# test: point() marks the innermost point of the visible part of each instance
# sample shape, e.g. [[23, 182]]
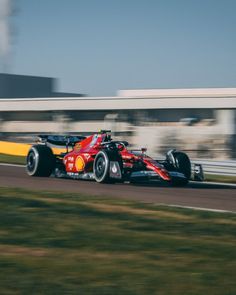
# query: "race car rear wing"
[[60, 140]]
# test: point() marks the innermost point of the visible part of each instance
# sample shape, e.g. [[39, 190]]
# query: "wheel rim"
[[100, 167], [31, 162]]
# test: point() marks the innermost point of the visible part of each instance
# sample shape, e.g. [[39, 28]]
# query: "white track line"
[[173, 206], [216, 183], [200, 209], [12, 165]]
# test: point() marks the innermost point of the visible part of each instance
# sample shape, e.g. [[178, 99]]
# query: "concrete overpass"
[[155, 117], [214, 98]]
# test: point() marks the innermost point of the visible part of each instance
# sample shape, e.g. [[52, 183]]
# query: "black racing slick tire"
[[40, 161], [183, 164], [101, 166], [178, 161]]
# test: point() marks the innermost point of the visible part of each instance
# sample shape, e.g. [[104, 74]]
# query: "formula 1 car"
[[98, 157]]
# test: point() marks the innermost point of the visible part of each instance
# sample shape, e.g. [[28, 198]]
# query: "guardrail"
[[218, 167]]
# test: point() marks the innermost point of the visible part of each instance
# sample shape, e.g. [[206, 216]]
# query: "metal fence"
[[218, 167]]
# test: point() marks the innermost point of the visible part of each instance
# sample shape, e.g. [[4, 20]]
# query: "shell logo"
[[79, 163]]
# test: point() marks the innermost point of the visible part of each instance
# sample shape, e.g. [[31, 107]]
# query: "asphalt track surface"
[[197, 195]]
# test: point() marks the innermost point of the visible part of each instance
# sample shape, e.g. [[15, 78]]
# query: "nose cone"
[[164, 174]]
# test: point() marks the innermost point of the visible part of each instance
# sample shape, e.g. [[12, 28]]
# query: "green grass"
[[220, 178], [12, 159], [74, 244]]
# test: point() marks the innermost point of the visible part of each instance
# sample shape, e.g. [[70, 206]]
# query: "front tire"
[[40, 161], [183, 164], [101, 166], [180, 162]]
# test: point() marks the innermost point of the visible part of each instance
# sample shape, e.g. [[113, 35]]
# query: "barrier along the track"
[[227, 168], [21, 149]]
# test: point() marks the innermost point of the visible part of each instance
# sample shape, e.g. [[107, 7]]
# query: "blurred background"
[[160, 74]]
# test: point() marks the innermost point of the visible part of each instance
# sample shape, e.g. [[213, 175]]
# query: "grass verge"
[[220, 178], [12, 159], [73, 244]]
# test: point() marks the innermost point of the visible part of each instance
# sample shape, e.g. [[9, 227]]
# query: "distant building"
[[21, 86]]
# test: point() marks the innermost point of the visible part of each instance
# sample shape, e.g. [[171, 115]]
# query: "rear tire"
[[40, 161]]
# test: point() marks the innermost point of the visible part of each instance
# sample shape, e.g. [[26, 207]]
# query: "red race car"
[[98, 157]]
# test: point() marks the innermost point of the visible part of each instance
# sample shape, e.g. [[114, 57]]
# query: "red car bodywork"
[[81, 158], [98, 157]]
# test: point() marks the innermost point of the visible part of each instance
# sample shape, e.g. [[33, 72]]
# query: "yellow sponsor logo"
[[79, 163]]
